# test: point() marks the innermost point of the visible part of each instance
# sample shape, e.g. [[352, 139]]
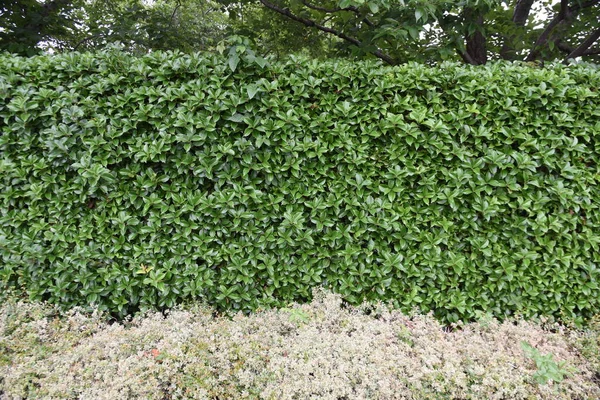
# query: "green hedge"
[[136, 183]]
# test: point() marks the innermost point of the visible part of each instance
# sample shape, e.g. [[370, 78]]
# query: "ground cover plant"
[[316, 350], [136, 183]]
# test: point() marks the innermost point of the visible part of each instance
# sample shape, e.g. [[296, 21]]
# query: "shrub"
[[139, 182], [337, 352]]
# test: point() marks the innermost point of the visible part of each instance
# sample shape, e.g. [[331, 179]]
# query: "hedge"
[[141, 182]]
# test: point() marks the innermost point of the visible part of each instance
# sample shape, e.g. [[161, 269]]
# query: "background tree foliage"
[[275, 34], [187, 25], [475, 31], [396, 31], [26, 23]]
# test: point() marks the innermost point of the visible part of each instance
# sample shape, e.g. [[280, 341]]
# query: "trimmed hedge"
[[137, 183]]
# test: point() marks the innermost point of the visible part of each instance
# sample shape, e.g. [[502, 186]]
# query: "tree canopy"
[[63, 25], [26, 23], [475, 31], [395, 31]]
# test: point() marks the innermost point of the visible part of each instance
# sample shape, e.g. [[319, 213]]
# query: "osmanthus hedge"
[[139, 182]]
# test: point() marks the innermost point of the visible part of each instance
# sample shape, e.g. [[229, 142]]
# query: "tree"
[[186, 25], [24, 24], [475, 31], [275, 34], [396, 31], [63, 25]]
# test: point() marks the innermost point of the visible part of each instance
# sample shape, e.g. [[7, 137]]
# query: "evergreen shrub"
[[139, 182]]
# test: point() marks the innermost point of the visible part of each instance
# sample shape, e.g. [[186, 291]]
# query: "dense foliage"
[[395, 31], [25, 23], [320, 350], [29, 26], [474, 31], [140, 182]]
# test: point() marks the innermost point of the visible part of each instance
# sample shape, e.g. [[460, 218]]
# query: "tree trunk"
[[475, 41], [520, 16]]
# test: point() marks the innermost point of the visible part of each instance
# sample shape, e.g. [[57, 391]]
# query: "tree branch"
[[323, 9], [520, 16], [564, 8], [565, 48], [463, 54], [584, 46], [174, 11], [565, 15], [543, 38], [87, 39], [310, 23], [334, 10]]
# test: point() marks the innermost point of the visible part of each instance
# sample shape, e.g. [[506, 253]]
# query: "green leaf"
[[374, 7], [237, 117], [261, 62], [234, 59], [413, 31], [419, 13], [252, 90]]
